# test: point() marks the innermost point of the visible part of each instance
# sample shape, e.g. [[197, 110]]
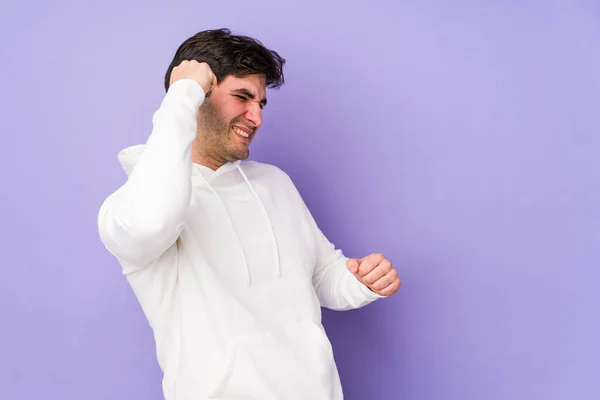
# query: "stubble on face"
[[213, 138]]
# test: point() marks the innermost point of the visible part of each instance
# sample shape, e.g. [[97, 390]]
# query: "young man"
[[226, 260]]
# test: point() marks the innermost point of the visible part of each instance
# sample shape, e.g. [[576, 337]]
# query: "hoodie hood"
[[129, 157]]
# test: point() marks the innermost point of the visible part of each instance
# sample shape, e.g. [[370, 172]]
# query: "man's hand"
[[200, 72], [375, 272]]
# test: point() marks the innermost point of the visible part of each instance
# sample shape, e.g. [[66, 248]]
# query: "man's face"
[[229, 118]]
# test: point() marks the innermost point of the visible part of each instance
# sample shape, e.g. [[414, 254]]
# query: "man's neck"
[[201, 157]]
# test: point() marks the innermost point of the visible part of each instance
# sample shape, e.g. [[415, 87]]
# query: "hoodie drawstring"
[[262, 206], [232, 227], [277, 259]]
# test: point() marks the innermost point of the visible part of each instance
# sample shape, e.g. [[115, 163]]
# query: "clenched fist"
[[200, 72], [375, 272]]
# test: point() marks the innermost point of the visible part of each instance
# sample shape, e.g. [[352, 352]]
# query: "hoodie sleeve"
[[337, 288], [144, 217]]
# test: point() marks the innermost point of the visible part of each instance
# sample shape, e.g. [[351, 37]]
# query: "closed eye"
[[244, 99]]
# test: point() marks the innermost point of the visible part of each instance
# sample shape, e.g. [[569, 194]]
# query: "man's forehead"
[[252, 83]]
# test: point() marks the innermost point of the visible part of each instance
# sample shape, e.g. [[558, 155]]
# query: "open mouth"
[[243, 132]]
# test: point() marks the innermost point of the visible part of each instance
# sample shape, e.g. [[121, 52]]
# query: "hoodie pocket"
[[295, 362]]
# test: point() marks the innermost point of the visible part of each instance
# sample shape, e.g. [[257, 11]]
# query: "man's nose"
[[254, 114]]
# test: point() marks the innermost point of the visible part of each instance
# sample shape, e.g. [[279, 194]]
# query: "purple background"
[[461, 139]]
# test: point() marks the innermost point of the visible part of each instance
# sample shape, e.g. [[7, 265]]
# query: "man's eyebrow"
[[249, 95]]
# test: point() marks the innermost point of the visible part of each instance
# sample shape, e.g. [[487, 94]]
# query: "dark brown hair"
[[229, 54]]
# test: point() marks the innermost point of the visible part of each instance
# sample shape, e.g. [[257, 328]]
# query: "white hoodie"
[[229, 267]]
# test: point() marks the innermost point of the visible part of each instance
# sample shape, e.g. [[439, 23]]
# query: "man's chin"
[[244, 156], [239, 155]]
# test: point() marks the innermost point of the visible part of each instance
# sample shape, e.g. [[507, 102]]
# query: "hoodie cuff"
[[368, 292], [187, 89]]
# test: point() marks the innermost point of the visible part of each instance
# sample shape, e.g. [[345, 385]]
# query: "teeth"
[[240, 132]]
